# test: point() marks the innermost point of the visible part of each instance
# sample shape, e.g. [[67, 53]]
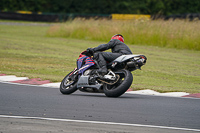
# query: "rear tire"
[[121, 86], [68, 86]]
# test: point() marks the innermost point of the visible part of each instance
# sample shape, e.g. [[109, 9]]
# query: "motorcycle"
[[114, 84]]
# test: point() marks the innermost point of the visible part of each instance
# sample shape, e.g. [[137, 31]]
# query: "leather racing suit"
[[117, 47]]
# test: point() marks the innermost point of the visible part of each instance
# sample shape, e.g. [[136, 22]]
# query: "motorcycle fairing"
[[84, 62], [123, 58], [83, 82]]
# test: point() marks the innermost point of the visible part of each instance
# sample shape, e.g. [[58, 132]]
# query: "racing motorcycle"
[[115, 83]]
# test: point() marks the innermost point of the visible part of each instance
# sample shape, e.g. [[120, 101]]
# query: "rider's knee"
[[96, 54]]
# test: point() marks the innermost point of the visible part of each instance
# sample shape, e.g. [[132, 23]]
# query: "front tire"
[[67, 85], [121, 86]]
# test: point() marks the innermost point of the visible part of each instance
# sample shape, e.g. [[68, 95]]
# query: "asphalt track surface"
[[43, 109]]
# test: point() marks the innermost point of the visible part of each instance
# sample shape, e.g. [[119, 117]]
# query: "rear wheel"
[[69, 83], [121, 86]]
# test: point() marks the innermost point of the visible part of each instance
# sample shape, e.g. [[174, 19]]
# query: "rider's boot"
[[103, 70]]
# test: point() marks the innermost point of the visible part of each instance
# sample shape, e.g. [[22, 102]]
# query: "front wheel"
[[69, 83], [121, 86]]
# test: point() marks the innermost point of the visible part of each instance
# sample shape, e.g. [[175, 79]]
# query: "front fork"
[[73, 75]]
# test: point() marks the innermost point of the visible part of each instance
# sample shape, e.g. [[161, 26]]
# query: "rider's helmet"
[[118, 37]]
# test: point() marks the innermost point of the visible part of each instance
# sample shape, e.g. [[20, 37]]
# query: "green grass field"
[[30, 51], [170, 34]]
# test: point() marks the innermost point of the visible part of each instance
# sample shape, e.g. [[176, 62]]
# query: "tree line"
[[152, 7]]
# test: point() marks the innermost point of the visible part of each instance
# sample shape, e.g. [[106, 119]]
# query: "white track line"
[[5, 82], [12, 78], [99, 122]]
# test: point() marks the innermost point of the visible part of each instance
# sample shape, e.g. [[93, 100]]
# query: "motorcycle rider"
[[118, 48]]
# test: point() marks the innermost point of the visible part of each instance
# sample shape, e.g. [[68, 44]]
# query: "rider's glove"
[[90, 51]]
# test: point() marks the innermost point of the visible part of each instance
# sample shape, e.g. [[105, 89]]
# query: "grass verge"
[[27, 51]]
